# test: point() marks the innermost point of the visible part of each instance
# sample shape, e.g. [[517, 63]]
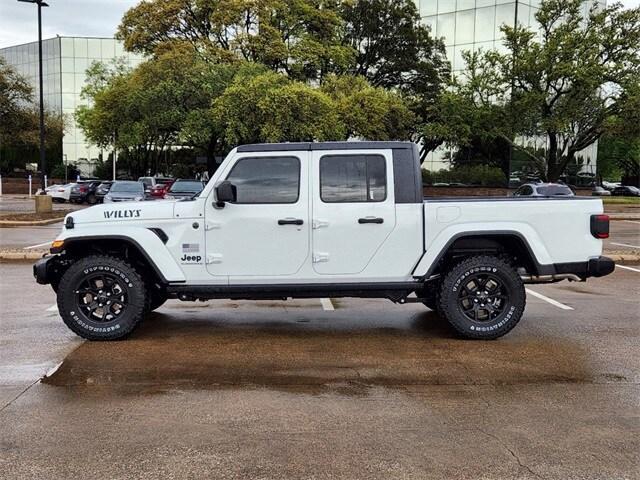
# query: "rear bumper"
[[594, 267], [601, 266]]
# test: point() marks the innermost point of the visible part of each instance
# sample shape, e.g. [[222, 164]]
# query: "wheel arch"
[[148, 260], [471, 243]]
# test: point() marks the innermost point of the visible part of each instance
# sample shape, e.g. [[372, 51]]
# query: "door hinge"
[[320, 257], [212, 226], [320, 224], [214, 258]]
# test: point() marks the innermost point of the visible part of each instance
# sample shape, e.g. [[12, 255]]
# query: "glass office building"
[[470, 25], [64, 65]]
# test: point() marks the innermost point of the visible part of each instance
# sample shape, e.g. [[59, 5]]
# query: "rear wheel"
[[101, 298], [482, 297], [91, 199]]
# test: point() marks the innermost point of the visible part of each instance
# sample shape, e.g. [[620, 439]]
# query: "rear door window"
[[353, 178]]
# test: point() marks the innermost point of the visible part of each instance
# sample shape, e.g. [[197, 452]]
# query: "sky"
[[91, 18]]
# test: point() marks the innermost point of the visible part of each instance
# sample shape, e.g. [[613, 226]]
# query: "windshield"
[[127, 187], [186, 187]]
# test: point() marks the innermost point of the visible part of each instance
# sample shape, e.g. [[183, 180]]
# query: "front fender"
[[146, 241]]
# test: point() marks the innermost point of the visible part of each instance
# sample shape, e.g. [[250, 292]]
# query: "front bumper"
[[42, 270]]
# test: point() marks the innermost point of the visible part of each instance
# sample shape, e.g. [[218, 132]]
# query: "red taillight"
[[600, 226]]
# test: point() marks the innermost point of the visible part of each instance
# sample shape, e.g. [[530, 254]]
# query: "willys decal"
[[122, 214]]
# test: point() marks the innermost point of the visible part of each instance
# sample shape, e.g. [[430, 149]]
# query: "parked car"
[[161, 188], [317, 220], [626, 191], [600, 192], [102, 190], [84, 191], [155, 186], [184, 188], [60, 193], [610, 185], [544, 190], [125, 191]]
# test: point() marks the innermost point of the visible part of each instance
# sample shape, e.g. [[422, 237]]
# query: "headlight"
[[107, 198], [139, 199], [169, 197]]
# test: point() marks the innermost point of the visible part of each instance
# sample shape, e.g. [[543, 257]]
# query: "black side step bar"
[[393, 291]]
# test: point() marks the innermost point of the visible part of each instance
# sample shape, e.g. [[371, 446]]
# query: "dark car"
[[125, 191], [183, 188], [626, 191], [102, 190], [85, 191], [544, 190]]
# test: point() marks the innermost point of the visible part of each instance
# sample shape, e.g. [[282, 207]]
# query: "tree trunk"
[[552, 174], [212, 166]]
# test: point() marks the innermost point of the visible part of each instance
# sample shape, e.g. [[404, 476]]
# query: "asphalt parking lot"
[[324, 389]]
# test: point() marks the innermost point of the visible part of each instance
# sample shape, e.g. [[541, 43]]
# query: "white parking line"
[[625, 245], [327, 304], [553, 302], [624, 267], [36, 246], [632, 221], [52, 308]]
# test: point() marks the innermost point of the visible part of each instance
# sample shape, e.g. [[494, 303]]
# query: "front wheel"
[[101, 298], [482, 297]]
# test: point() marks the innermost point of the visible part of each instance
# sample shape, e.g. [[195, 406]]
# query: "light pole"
[[43, 160]]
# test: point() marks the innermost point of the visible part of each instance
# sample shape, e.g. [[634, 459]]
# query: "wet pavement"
[[290, 390]]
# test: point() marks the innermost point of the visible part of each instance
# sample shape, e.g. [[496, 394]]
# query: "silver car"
[[125, 191]]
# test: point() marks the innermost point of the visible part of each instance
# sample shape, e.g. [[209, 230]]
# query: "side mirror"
[[226, 192]]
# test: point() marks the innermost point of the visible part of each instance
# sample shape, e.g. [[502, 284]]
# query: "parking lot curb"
[[13, 256], [624, 218], [35, 223]]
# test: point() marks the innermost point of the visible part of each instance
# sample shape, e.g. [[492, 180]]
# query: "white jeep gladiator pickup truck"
[[313, 220]]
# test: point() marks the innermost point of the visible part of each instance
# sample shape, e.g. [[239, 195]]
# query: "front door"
[[353, 209], [266, 232]]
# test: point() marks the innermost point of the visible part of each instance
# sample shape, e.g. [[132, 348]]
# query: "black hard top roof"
[[302, 146]]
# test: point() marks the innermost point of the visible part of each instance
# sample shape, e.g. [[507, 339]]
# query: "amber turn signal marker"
[[57, 243]]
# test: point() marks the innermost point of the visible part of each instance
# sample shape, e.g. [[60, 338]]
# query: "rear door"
[[353, 208]]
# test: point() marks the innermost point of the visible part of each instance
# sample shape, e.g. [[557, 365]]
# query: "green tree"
[[369, 112], [271, 108], [562, 86], [394, 48], [296, 37]]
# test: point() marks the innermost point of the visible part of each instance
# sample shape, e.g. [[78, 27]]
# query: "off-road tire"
[[83, 272], [456, 295]]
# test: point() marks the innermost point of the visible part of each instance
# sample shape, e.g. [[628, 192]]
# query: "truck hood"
[[125, 212]]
